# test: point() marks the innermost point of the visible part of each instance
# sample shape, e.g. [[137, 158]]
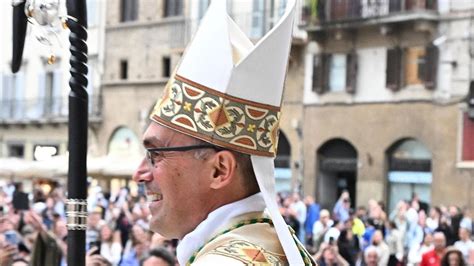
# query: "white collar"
[[216, 220]]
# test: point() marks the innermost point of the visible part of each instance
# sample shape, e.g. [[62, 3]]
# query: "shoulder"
[[249, 244], [240, 252]]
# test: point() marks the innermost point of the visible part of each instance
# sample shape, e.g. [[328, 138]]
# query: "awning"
[[57, 166]]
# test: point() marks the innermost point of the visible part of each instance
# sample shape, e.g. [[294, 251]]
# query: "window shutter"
[[57, 92], [394, 68], [432, 55], [351, 72], [41, 100], [320, 73], [18, 81]]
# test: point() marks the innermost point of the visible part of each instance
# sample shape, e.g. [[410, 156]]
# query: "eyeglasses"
[[154, 155]]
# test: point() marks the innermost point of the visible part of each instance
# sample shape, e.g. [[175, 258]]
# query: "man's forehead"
[[160, 136]]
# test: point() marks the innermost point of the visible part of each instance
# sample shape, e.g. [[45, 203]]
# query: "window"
[[337, 72], [173, 8], [12, 104], [128, 10], [16, 150], [50, 94], [334, 72], [123, 69], [203, 4], [166, 66], [93, 12], [411, 66], [257, 19], [467, 138]]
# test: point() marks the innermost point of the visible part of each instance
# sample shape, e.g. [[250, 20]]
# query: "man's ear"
[[225, 165]]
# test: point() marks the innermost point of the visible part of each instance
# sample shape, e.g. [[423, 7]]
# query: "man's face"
[[371, 259], [439, 241], [324, 218], [464, 234], [177, 184]]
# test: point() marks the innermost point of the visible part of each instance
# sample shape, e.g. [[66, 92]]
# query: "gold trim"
[[207, 138], [226, 96]]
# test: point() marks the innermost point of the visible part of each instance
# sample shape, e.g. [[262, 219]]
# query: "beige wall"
[[372, 129]]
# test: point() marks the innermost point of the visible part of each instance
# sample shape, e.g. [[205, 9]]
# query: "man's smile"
[[152, 197]]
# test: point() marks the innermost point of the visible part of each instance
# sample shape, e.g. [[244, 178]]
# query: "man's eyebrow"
[[152, 141]]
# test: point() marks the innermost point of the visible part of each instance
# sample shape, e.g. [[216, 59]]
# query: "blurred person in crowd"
[[20, 198], [341, 209], [328, 255], [422, 220], [369, 232], [415, 232], [112, 214], [299, 208], [371, 256], [422, 205], [382, 247], [376, 214], [59, 199], [394, 241], [93, 258], [94, 223], [124, 223], [8, 251], [110, 245], [158, 257], [159, 241], [466, 221], [465, 244], [137, 247], [312, 215], [416, 252], [452, 257], [321, 227], [447, 230], [398, 215], [348, 245], [50, 247], [357, 225], [432, 222], [290, 215], [455, 221], [48, 213], [433, 257], [334, 231], [362, 214]]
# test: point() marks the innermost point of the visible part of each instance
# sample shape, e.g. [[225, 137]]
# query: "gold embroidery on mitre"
[[218, 118]]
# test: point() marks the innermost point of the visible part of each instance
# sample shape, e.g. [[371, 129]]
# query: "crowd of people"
[[33, 231], [412, 234]]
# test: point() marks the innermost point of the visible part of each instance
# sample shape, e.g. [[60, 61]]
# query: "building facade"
[[384, 109], [34, 101]]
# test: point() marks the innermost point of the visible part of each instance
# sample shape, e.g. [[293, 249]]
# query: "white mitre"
[[228, 92]]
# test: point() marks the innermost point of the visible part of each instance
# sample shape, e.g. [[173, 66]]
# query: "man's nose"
[[143, 172]]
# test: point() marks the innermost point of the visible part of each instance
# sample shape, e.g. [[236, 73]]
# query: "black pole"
[[19, 32], [78, 120]]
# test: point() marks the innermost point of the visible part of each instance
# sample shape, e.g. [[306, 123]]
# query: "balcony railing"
[[42, 109], [348, 10]]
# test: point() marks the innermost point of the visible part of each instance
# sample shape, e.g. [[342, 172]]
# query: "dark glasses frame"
[[179, 149]]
